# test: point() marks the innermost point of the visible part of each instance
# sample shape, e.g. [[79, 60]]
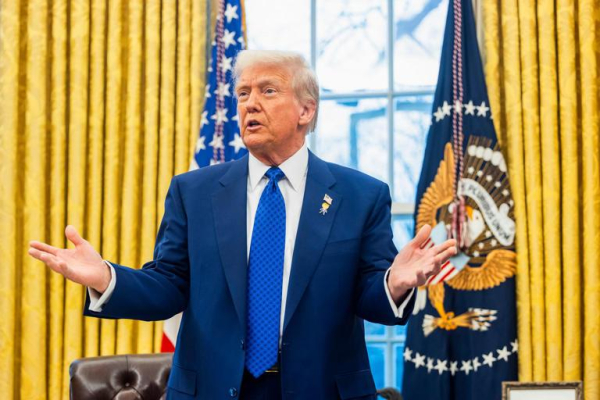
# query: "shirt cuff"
[[97, 300], [398, 310]]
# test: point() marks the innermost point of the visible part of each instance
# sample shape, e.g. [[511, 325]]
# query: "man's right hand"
[[83, 264]]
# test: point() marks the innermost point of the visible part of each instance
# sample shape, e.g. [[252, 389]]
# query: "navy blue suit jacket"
[[336, 281]]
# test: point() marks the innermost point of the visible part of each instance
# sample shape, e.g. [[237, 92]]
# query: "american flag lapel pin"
[[326, 204]]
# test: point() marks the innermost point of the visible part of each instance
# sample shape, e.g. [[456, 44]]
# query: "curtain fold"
[[58, 185], [542, 73], [33, 289], [550, 153], [589, 39], [149, 335], [100, 108]]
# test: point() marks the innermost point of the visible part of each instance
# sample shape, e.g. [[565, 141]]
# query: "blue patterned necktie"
[[265, 274]]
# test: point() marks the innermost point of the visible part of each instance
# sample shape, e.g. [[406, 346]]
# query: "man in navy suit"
[[275, 259]]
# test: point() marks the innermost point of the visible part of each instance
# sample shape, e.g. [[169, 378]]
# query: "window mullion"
[[390, 95], [313, 57], [389, 348]]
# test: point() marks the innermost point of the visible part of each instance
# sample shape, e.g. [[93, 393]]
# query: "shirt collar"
[[294, 168]]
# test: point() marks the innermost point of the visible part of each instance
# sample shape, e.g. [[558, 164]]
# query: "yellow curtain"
[[99, 106], [542, 67]]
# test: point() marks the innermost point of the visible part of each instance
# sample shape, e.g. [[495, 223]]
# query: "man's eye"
[[270, 91]]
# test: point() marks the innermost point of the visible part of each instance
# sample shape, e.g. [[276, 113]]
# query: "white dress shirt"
[[292, 188]]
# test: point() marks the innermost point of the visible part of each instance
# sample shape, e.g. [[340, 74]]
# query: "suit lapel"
[[229, 205], [313, 231]]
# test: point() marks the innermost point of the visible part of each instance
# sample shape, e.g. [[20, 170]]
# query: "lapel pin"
[[326, 204]]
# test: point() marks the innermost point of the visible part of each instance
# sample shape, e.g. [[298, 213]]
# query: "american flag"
[[219, 140]]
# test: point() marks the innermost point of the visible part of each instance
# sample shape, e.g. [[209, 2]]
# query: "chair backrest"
[[141, 376]]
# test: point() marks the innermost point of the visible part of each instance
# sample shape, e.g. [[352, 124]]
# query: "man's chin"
[[254, 142]]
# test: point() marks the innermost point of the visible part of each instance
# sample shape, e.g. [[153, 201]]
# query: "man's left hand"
[[414, 265]]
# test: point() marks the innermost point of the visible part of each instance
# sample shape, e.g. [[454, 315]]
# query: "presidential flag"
[[462, 339], [219, 140]]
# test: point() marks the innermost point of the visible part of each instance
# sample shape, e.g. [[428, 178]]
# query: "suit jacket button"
[[233, 392], [242, 344]]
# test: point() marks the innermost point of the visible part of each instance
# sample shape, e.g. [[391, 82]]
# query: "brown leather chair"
[[127, 377]]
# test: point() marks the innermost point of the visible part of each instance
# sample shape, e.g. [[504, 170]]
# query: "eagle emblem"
[[489, 257]]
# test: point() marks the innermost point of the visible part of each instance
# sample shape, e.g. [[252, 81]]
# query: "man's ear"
[[307, 112]]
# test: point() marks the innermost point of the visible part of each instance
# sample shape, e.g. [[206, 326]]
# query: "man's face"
[[272, 120]]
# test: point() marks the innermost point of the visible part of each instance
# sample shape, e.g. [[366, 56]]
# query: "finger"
[[440, 248], [422, 236], [445, 255], [35, 253], [44, 247], [73, 236], [432, 268], [51, 261]]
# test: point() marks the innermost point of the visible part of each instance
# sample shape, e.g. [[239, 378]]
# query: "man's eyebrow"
[[268, 81], [261, 82]]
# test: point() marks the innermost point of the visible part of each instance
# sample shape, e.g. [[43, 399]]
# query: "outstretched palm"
[[414, 265], [82, 265]]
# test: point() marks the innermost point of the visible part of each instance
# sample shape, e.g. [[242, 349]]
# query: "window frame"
[[399, 209]]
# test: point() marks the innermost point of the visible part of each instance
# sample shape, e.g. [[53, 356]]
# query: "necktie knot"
[[274, 174]]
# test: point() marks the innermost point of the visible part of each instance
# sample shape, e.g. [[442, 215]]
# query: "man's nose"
[[252, 103]]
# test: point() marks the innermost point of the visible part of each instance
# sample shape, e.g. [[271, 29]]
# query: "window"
[[377, 63]]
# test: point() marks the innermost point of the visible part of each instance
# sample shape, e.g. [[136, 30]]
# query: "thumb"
[[73, 236], [422, 236]]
